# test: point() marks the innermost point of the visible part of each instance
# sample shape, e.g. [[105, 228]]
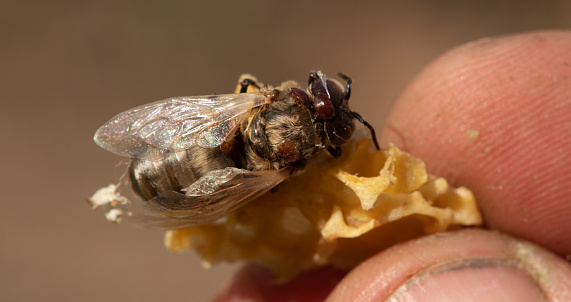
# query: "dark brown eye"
[[321, 100], [340, 128], [336, 93]]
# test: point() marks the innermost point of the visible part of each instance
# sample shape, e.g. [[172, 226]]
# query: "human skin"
[[493, 115]]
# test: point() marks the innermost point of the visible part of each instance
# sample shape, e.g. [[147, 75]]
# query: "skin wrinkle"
[[450, 82], [554, 283], [381, 276], [401, 293]]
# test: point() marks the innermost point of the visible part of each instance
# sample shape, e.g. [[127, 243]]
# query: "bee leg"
[[355, 114], [246, 83], [374, 136], [312, 77], [335, 151], [274, 189]]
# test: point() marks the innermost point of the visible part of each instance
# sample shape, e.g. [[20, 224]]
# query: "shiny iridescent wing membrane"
[[151, 131], [213, 196]]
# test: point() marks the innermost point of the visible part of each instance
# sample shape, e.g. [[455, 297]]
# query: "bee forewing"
[[173, 210], [176, 123]]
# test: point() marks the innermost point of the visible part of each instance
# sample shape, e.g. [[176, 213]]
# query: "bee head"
[[330, 104]]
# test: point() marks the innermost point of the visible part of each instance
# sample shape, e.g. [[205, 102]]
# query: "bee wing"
[[212, 197], [176, 123]]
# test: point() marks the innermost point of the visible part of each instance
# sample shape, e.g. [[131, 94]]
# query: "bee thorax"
[[282, 133]]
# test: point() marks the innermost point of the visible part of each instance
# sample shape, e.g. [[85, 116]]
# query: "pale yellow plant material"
[[337, 212]]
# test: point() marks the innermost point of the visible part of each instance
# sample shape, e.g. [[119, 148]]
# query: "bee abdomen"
[[176, 171]]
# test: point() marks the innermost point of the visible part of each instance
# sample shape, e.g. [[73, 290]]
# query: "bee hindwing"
[[212, 199]]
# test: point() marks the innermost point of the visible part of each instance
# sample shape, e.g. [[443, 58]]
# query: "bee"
[[196, 159]]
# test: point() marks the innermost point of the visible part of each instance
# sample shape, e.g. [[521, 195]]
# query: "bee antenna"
[[360, 119]]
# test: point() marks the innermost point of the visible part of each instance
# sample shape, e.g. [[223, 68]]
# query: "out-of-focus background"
[[66, 67]]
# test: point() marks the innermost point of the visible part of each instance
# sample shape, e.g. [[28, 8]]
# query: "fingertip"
[[492, 115], [472, 265]]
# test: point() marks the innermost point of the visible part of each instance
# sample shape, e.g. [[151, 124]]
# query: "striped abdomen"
[[176, 171]]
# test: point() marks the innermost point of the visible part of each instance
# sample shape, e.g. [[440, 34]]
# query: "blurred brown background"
[[68, 66]]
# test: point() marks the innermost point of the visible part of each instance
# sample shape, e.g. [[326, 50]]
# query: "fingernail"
[[483, 279]]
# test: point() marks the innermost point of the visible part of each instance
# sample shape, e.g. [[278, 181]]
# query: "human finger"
[[466, 265], [493, 115]]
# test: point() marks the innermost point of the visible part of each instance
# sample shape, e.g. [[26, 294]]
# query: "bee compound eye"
[[323, 107], [340, 128], [336, 93], [321, 100]]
